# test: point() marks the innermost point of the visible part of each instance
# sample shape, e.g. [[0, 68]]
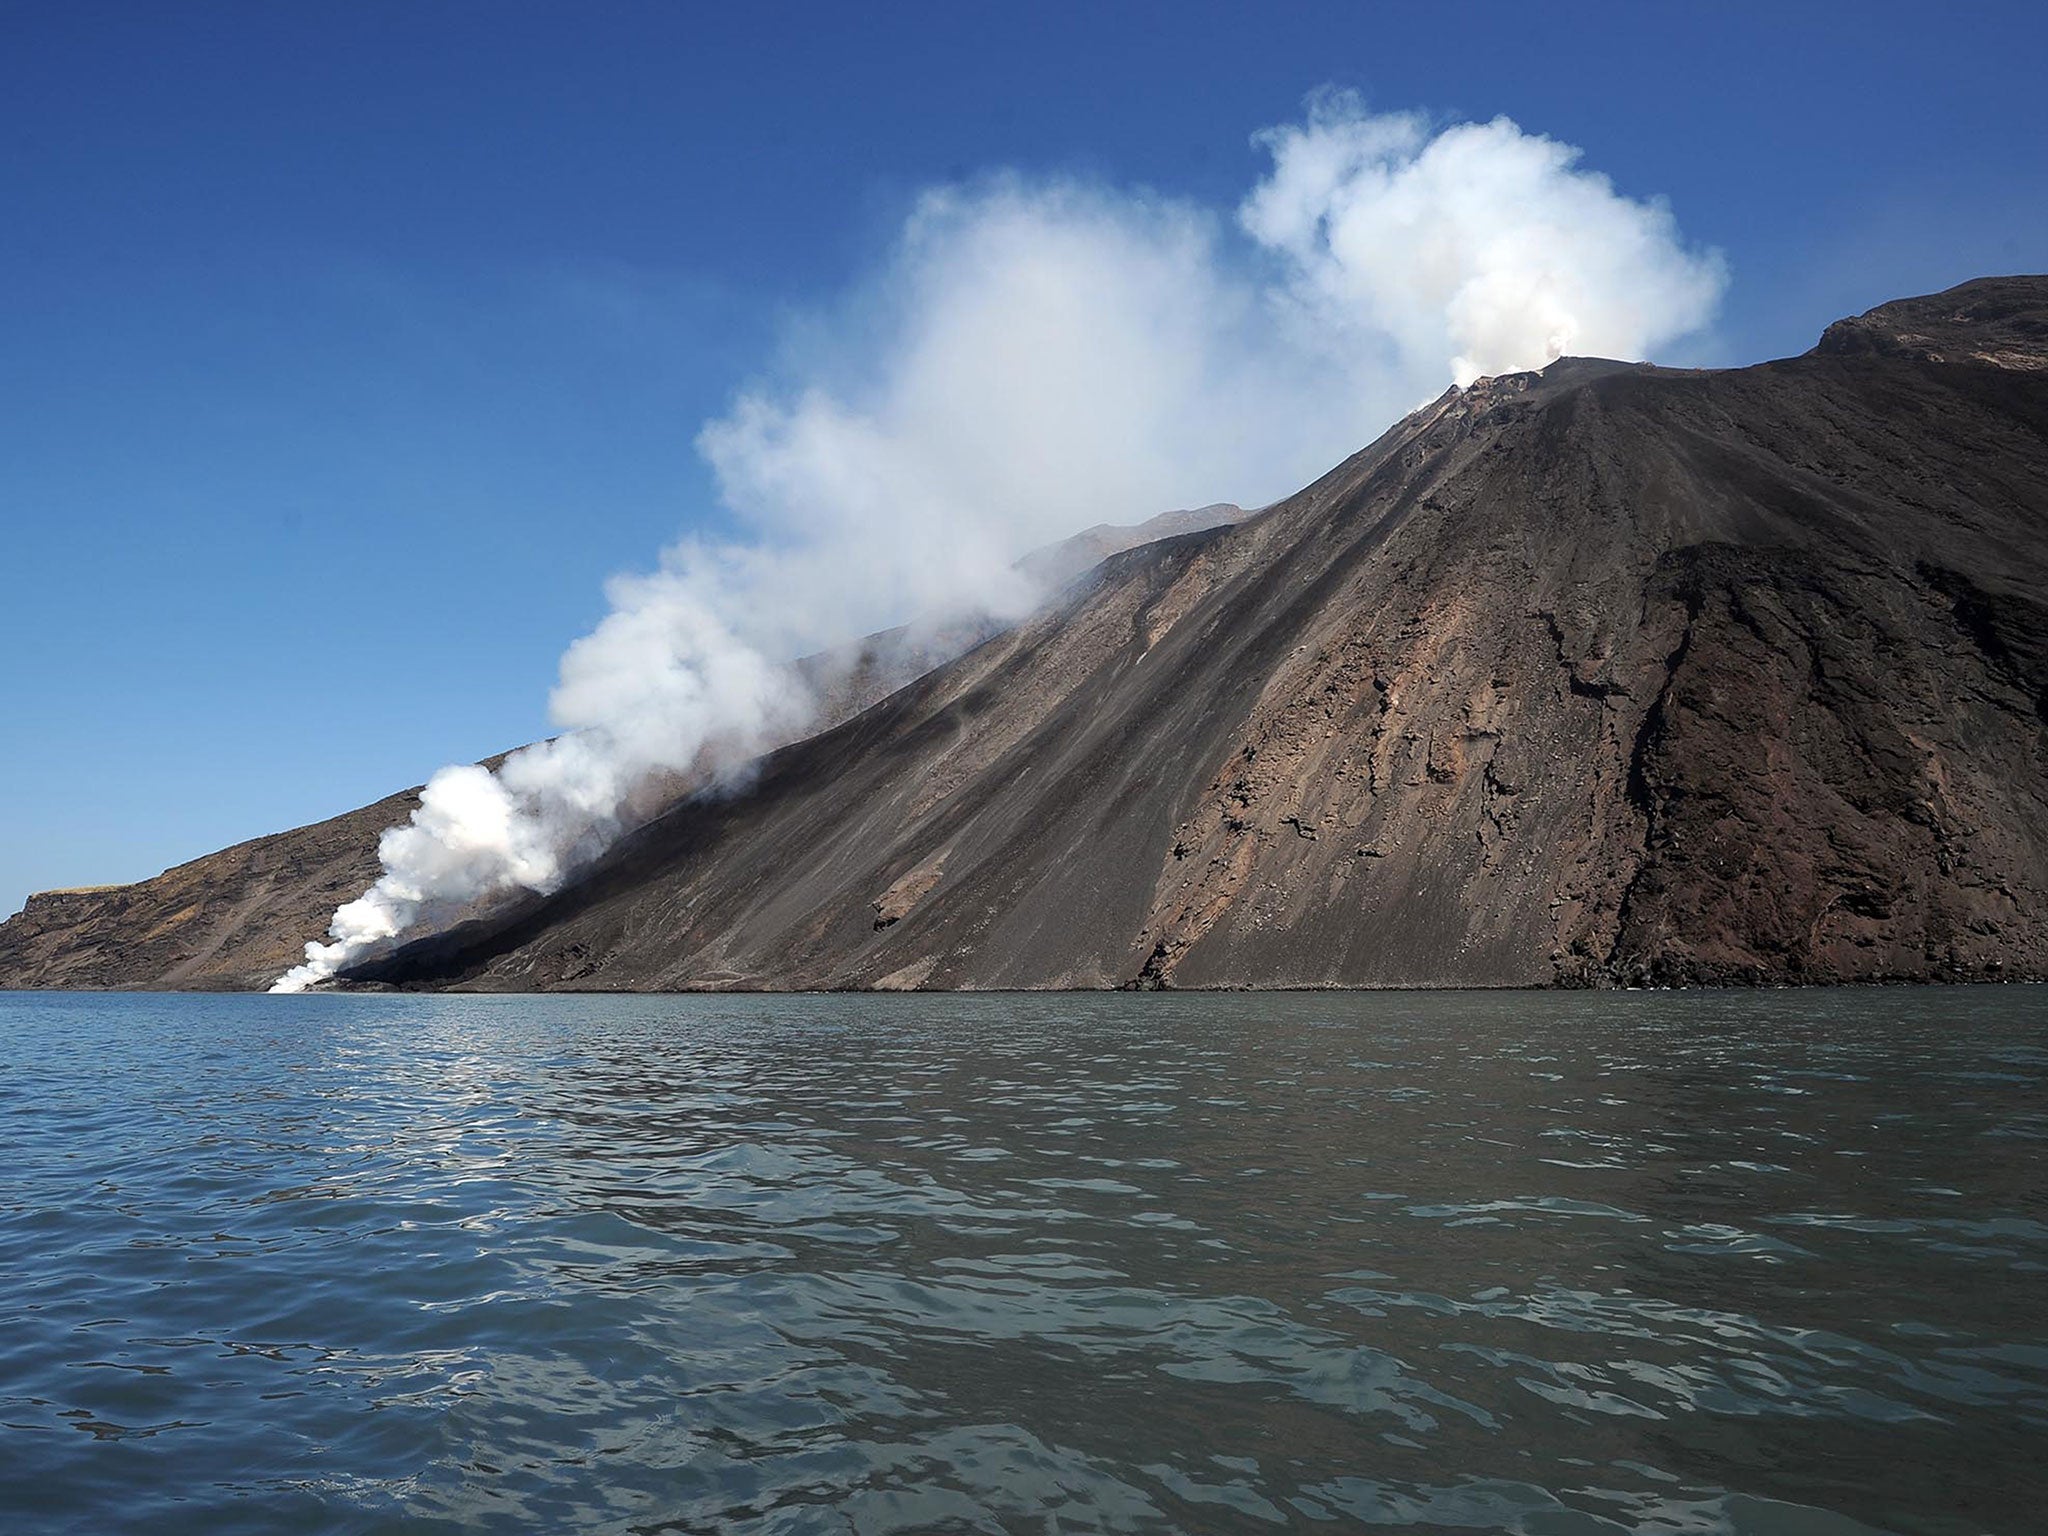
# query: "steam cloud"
[[1035, 357]]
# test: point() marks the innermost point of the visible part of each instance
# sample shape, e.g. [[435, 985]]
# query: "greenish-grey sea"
[[1545, 1264]]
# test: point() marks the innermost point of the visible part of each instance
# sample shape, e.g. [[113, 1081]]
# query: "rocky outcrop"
[[232, 920], [1604, 674], [1995, 320]]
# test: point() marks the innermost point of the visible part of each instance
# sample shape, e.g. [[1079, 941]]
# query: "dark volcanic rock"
[[1608, 673]]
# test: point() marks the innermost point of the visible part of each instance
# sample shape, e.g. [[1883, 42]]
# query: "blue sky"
[[345, 350]]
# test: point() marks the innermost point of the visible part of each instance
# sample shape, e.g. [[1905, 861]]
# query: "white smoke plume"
[[1035, 357], [1479, 247]]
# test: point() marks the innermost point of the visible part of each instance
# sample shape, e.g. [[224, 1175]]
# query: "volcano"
[[1604, 674]]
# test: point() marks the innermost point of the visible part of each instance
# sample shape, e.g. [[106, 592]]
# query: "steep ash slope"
[[1603, 673], [238, 918]]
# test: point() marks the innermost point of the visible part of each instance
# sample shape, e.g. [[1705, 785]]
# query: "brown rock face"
[[1608, 673], [232, 921]]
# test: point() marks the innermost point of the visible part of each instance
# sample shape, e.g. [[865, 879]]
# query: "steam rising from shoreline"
[[1036, 357]]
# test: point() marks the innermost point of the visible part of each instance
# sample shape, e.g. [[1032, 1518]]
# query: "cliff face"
[[1608, 673]]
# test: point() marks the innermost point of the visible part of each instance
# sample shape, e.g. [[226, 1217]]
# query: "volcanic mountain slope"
[[238, 918], [1607, 673]]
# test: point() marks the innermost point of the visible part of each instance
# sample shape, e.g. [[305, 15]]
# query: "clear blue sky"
[[346, 348]]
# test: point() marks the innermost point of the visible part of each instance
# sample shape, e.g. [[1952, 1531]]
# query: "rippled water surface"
[[1543, 1264]]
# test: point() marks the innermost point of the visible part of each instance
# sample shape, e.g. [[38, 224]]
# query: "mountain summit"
[[1604, 674]]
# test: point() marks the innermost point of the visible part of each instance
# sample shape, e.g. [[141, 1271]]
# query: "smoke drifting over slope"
[[1037, 356]]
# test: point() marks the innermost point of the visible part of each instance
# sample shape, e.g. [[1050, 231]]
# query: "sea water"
[[1548, 1264]]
